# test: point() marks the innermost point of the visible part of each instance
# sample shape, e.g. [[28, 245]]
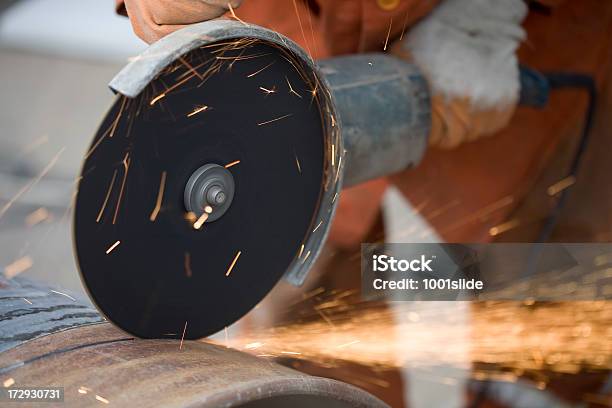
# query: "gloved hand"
[[467, 51], [457, 121], [154, 19]]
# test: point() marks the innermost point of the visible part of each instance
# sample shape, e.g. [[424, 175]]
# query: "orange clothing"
[[466, 191], [333, 27]]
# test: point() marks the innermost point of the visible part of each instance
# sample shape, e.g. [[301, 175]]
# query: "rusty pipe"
[[56, 341]]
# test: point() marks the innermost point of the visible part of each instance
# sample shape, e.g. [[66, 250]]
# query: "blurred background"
[[56, 58]]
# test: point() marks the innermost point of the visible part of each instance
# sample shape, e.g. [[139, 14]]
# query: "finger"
[[157, 32], [188, 11], [143, 24]]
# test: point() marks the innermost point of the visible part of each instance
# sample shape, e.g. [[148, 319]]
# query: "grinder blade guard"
[[218, 168]]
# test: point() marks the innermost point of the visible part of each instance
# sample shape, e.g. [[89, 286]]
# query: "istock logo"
[[383, 263]]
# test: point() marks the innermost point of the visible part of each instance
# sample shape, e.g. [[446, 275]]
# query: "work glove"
[[467, 51], [154, 19]]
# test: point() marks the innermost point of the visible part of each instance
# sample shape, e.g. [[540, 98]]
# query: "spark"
[[157, 98], [8, 382], [314, 91], [313, 293], [131, 120], [212, 69], [64, 294], [260, 70], [190, 68], [234, 60], [126, 167], [324, 317], [242, 58], [230, 44], [306, 257], [108, 193], [312, 36], [160, 197], [228, 165], [194, 73], [233, 13], [95, 146], [37, 217], [388, 34], [338, 170], [31, 183], [444, 208], [112, 247], [268, 91], [297, 13], [102, 399], [229, 270], [198, 224], [188, 271], [274, 120], [408, 13], [183, 336], [297, 162], [333, 155], [197, 110], [317, 227], [560, 185], [118, 117], [501, 228], [350, 343], [27, 301], [480, 214], [20, 265], [253, 346], [329, 304], [513, 337], [291, 90]]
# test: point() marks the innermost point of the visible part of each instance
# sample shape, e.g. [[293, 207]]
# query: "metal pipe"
[[53, 340]]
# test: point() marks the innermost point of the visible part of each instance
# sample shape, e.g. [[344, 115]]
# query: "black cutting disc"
[[144, 264]]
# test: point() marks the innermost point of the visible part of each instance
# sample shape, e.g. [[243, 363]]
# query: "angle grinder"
[[217, 170]]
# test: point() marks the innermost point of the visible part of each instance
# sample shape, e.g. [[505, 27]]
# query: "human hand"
[[154, 19]]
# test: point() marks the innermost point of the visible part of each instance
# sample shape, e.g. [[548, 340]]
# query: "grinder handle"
[[384, 109]]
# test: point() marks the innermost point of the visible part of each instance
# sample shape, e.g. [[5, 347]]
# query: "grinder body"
[[384, 107]]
